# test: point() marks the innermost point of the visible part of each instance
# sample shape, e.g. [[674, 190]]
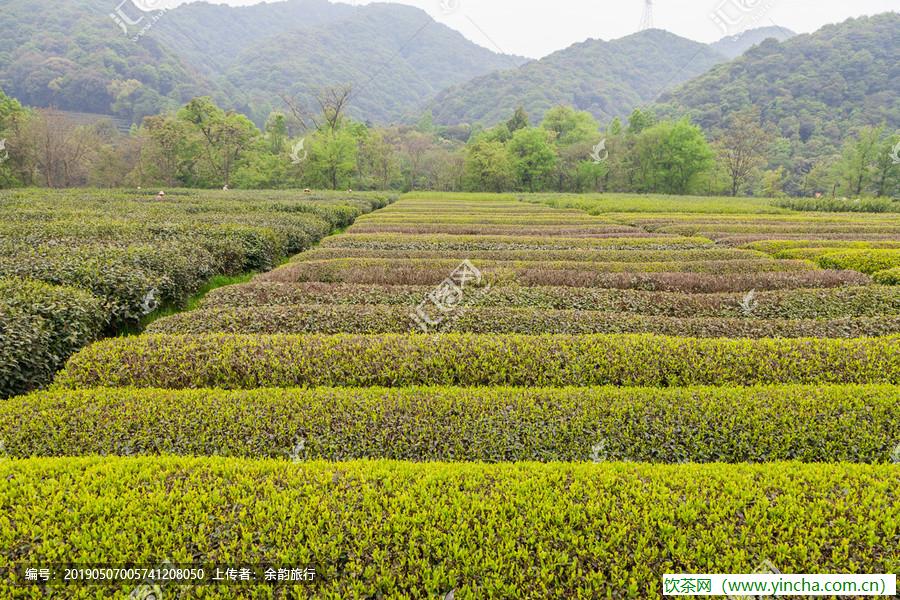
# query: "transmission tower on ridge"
[[647, 18]]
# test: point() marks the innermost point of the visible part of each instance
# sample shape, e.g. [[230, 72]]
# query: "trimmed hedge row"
[[698, 283], [247, 361], [470, 243], [575, 230], [400, 530], [888, 277], [503, 216], [663, 282], [374, 319], [865, 261], [743, 240], [427, 271], [40, 327], [775, 246], [793, 228], [128, 291], [553, 256], [660, 425], [822, 303], [667, 205], [24, 354], [868, 205], [136, 253]]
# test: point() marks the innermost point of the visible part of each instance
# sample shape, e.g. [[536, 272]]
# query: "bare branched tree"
[[743, 147], [333, 103], [300, 115]]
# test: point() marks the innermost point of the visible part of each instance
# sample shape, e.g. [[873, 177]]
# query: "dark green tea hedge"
[[42, 325], [398, 319], [401, 530], [246, 361], [664, 425]]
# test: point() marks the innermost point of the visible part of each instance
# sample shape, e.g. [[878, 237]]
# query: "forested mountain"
[[735, 45], [813, 89], [608, 79], [395, 56], [211, 37], [71, 54]]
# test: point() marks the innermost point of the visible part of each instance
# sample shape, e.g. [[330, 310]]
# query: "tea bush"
[[479, 531], [391, 360], [803, 303], [40, 327], [374, 319], [660, 425]]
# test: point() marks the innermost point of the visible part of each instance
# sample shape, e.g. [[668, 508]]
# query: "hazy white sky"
[[535, 28]]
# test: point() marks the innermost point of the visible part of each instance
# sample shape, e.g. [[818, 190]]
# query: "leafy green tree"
[[277, 133], [426, 123], [12, 117], [262, 170], [500, 133], [742, 147], [640, 120], [169, 152], [332, 158], [488, 166], [773, 183], [670, 156], [856, 167], [615, 128], [532, 156], [591, 176], [886, 176], [224, 136], [518, 121], [571, 126]]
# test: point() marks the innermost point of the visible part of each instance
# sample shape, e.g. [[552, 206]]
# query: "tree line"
[[201, 145]]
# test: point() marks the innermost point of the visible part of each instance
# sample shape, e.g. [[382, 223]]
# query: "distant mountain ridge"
[[414, 59], [608, 79], [72, 55], [814, 89], [735, 45]]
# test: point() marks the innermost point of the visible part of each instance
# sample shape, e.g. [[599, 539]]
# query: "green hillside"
[[74, 56], [609, 79], [814, 89]]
